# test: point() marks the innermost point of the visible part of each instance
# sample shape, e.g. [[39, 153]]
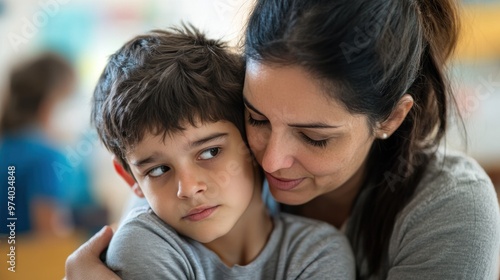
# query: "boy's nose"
[[189, 185]]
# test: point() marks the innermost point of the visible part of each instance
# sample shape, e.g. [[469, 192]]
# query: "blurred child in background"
[[36, 87]]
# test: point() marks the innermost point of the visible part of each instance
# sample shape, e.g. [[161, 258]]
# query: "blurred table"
[[38, 257]]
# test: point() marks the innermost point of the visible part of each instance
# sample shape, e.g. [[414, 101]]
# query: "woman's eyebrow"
[[296, 125], [249, 105]]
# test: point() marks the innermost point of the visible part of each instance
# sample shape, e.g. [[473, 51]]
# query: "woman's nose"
[[277, 153]]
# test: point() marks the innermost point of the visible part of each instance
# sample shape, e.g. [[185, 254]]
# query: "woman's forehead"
[[285, 85]]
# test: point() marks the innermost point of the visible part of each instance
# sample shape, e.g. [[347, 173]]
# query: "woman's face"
[[307, 143]]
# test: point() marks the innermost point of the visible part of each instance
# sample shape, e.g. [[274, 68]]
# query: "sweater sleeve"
[[140, 251], [452, 234]]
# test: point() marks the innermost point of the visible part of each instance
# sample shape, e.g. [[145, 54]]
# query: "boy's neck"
[[249, 235]]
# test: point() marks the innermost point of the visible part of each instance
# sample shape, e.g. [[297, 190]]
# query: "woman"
[[347, 102]]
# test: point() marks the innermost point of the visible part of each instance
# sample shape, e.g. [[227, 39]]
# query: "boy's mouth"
[[199, 213]]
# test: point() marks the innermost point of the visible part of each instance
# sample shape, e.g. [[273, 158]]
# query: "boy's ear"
[[127, 177]]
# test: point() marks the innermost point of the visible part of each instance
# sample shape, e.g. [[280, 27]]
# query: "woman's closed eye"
[[158, 171], [209, 153], [254, 122], [316, 143]]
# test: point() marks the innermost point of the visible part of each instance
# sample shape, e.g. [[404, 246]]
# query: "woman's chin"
[[290, 197]]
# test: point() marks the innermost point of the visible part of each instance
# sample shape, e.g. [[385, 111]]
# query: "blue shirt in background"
[[34, 158]]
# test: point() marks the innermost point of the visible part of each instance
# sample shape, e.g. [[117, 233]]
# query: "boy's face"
[[199, 181]]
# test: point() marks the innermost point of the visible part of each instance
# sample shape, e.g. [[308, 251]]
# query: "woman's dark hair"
[[163, 80], [30, 85], [371, 52]]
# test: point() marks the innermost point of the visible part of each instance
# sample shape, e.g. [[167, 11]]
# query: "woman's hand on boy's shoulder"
[[85, 263]]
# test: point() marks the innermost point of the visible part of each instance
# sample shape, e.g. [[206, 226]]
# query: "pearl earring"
[[384, 136]]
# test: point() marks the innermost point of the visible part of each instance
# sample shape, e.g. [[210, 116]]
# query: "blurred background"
[[85, 32]]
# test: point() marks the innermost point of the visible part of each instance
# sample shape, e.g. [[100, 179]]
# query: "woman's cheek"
[[257, 138]]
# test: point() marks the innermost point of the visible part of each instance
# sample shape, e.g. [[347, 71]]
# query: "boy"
[[169, 106]]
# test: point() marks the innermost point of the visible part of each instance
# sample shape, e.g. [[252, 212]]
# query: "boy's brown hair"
[[163, 80]]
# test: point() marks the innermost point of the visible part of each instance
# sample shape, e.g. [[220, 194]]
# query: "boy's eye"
[[158, 171], [210, 153], [254, 122]]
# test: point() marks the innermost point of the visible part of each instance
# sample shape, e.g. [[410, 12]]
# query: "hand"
[[85, 263]]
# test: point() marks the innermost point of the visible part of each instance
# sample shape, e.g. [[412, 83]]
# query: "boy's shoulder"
[[301, 231], [142, 219], [143, 240], [312, 249], [138, 212], [141, 222]]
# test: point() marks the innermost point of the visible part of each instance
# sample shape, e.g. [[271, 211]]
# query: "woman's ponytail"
[[441, 25]]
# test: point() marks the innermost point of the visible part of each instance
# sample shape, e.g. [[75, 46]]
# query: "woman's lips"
[[200, 213], [282, 183]]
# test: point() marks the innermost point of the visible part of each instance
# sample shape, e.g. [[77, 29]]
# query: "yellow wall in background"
[[38, 257], [480, 34]]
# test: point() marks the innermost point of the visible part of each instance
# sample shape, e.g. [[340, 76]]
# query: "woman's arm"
[[452, 234], [85, 263]]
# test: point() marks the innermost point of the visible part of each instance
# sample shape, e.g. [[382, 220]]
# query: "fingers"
[[84, 263], [100, 241]]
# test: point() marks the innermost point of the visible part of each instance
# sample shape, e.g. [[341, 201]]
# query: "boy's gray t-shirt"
[[298, 248]]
